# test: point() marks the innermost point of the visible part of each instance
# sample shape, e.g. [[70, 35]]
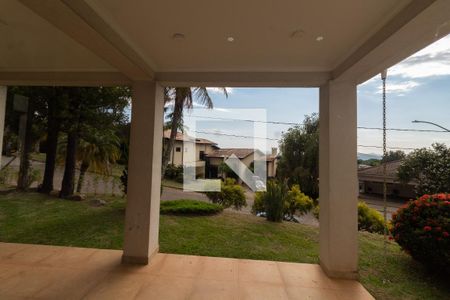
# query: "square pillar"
[[144, 173], [3, 90], [338, 180]]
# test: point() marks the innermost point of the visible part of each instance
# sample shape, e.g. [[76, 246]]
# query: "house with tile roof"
[[208, 157], [371, 181]]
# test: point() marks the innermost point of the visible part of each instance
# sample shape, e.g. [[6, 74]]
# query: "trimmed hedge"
[[189, 207], [422, 228]]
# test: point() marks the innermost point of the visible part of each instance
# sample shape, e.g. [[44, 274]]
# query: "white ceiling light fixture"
[[319, 38], [230, 39]]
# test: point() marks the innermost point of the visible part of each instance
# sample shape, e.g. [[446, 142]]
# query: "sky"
[[418, 88]]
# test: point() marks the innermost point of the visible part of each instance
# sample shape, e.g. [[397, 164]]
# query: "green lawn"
[[33, 218]]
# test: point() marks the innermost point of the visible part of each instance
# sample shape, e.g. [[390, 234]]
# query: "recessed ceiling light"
[[297, 34], [178, 36], [319, 38], [230, 39]]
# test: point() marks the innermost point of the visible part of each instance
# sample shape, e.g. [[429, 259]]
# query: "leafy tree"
[[430, 168], [33, 127], [182, 97], [299, 161], [89, 107], [97, 150], [393, 156]]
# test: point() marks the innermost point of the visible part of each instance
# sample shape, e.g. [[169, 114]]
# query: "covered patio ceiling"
[[241, 43]]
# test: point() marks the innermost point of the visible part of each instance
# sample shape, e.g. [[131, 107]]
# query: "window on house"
[[178, 149], [202, 155]]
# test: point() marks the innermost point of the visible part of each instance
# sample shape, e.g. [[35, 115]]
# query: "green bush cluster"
[[422, 228], [278, 201], [231, 194], [189, 207], [174, 172], [369, 219]]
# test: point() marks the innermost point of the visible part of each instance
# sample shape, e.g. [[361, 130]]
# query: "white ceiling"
[[29, 43], [261, 30]]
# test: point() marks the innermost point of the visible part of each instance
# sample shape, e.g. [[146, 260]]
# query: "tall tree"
[[429, 168], [393, 156], [102, 107], [299, 161], [57, 101], [182, 98]]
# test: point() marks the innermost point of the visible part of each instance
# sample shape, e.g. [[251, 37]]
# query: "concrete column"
[[338, 182], [144, 173], [3, 90]]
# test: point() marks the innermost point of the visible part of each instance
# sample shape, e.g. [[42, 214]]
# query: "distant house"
[[371, 181], [247, 157], [207, 156]]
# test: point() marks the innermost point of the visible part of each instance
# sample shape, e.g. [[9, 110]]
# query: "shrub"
[[189, 207], [297, 201], [231, 194], [293, 201], [369, 219], [273, 200], [258, 203], [422, 228], [174, 172]]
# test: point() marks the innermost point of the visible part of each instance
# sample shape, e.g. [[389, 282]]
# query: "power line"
[[248, 120], [235, 135], [302, 124], [273, 139]]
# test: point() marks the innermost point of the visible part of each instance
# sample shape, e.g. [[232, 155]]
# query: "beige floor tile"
[[47, 272], [9, 249], [261, 290], [214, 289], [69, 258], [71, 284], [218, 268], [33, 254], [259, 271], [303, 275], [26, 281], [179, 265], [118, 286], [304, 293], [166, 287]]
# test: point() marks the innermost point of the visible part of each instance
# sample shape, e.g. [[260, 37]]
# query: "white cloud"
[[200, 105], [433, 60], [219, 90], [399, 88]]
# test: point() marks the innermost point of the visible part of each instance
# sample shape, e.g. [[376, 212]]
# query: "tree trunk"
[[68, 183], [53, 126], [24, 168], [176, 117], [83, 169]]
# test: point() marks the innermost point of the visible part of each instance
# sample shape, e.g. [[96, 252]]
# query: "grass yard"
[[38, 219]]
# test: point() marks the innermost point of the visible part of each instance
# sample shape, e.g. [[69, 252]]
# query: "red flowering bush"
[[422, 227]]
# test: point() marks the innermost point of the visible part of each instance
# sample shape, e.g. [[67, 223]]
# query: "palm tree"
[[97, 153], [182, 98]]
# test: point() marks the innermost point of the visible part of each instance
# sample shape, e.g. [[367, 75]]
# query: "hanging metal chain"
[[383, 77]]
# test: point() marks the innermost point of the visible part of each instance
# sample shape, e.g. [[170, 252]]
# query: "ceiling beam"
[[242, 79], [412, 29], [63, 78], [79, 21]]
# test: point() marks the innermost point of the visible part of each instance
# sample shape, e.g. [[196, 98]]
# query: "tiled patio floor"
[[49, 272]]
